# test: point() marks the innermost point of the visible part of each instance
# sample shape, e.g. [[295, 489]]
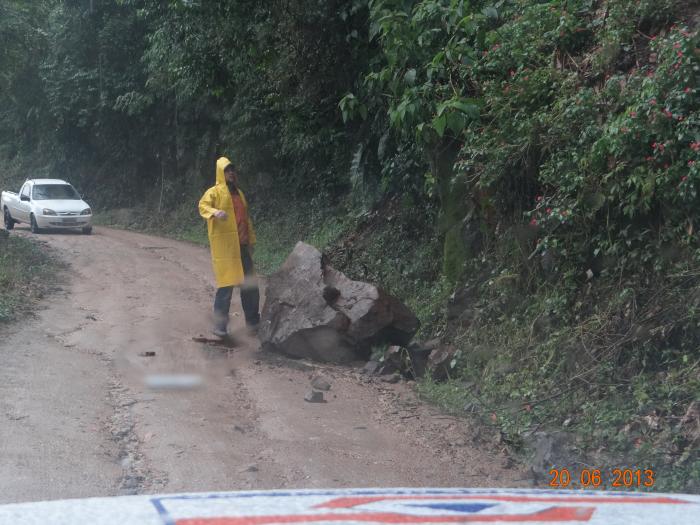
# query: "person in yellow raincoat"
[[232, 242]]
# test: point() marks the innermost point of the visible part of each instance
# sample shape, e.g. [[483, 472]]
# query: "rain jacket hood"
[[221, 165], [223, 233]]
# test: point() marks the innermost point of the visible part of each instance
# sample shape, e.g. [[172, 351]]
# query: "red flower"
[[680, 54], [633, 114], [648, 158], [695, 146], [549, 210], [668, 113], [676, 66], [652, 102], [684, 178], [564, 213], [533, 222], [691, 163], [539, 198], [676, 45], [512, 73], [687, 90]]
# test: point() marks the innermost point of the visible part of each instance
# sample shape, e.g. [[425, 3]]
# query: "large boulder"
[[314, 311]]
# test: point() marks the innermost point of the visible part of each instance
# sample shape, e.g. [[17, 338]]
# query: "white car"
[[46, 204], [402, 506]]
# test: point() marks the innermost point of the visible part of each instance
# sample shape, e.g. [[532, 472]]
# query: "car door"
[[23, 207]]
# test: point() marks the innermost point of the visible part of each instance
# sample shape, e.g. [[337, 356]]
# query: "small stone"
[[392, 379], [250, 468], [314, 396], [147, 354], [432, 344], [370, 368], [321, 382]]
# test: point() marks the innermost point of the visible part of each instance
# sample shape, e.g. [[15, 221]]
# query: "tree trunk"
[[455, 207]]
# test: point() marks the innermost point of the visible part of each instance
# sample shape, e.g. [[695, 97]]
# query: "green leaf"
[[490, 12], [363, 111], [456, 122], [410, 77], [439, 124]]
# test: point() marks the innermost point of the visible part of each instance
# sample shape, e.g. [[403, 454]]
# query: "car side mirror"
[[24, 198]]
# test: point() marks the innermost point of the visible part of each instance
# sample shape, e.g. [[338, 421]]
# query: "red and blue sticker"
[[427, 506]]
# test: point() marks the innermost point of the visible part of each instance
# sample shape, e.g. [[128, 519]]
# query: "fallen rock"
[[393, 361], [419, 359], [551, 449], [321, 382], [689, 424], [314, 311], [371, 367], [392, 379], [439, 362], [314, 396], [431, 344]]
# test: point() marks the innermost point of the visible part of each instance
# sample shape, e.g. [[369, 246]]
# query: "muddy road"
[[77, 418]]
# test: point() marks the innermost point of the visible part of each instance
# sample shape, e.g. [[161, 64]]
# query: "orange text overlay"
[[594, 478]]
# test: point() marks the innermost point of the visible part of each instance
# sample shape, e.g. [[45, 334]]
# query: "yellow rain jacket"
[[223, 233]]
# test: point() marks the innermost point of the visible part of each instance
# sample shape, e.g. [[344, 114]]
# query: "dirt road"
[[78, 419]]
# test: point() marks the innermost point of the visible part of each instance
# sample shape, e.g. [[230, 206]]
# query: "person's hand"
[[220, 214]]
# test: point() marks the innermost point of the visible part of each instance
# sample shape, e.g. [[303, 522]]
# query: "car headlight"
[[86, 211], [47, 211]]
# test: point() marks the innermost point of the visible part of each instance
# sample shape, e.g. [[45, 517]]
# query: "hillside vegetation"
[[523, 173]]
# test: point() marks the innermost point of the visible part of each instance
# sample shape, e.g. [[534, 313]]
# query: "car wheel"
[[87, 230], [34, 226], [9, 222]]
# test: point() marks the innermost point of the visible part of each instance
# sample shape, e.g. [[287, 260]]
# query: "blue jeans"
[[250, 297]]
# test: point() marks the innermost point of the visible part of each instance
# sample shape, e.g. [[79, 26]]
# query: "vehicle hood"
[[410, 506], [63, 205]]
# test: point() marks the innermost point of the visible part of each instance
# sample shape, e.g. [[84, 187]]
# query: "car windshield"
[[47, 192]]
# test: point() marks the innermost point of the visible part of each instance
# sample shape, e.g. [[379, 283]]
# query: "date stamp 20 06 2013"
[[620, 478]]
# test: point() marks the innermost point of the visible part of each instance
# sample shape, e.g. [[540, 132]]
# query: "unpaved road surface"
[[77, 418]]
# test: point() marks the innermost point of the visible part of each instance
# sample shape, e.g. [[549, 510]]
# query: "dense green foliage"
[[540, 159]]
